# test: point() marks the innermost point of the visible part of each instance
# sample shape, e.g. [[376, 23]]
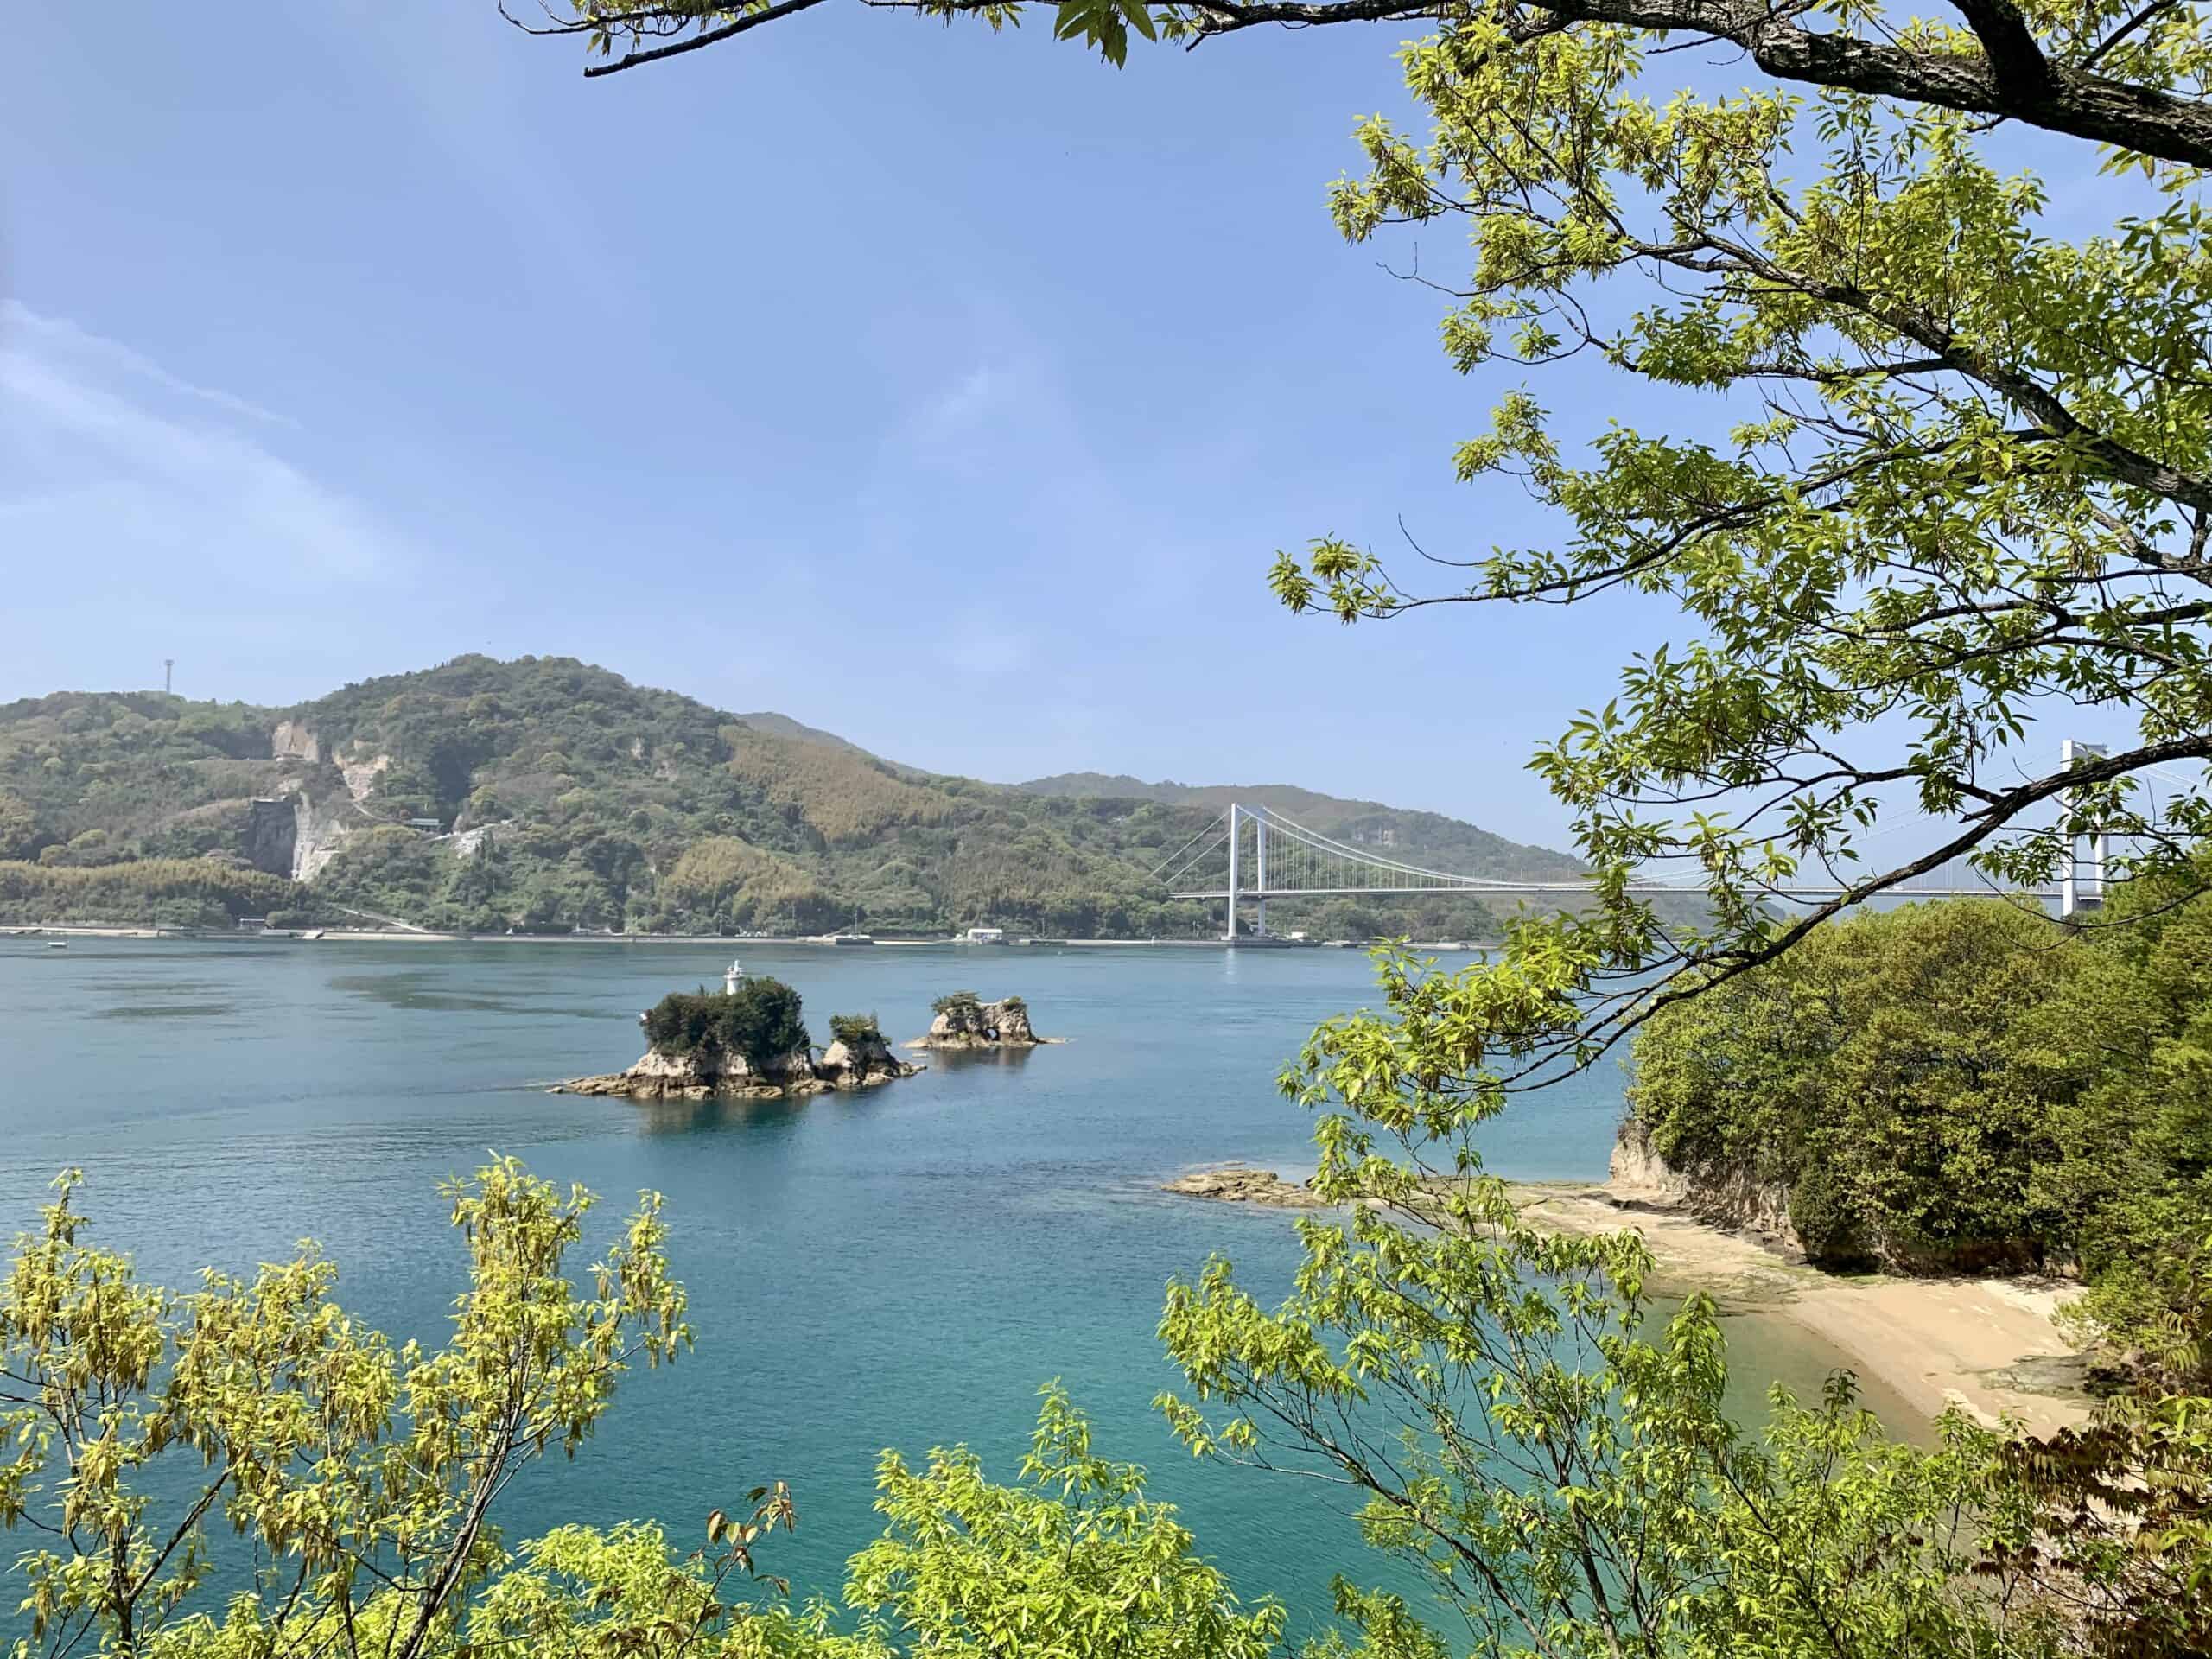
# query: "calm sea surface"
[[899, 1268]]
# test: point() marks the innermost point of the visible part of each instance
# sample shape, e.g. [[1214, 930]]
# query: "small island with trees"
[[750, 1040], [965, 1020]]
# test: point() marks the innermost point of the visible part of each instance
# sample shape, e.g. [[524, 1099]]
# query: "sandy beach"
[[1987, 1345]]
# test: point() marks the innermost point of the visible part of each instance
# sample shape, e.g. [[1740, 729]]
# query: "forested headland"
[[545, 795]]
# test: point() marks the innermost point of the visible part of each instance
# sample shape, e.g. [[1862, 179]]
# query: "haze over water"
[[902, 1267]]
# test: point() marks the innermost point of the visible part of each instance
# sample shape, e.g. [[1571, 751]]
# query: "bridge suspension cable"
[[1268, 855]]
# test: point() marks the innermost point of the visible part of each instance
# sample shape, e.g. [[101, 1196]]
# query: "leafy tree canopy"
[[855, 1029], [138, 1423], [759, 1022], [1962, 1084]]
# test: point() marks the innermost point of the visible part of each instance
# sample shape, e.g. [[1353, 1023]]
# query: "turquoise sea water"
[[902, 1267]]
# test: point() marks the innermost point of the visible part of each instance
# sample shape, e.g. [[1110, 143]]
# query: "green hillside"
[[544, 793]]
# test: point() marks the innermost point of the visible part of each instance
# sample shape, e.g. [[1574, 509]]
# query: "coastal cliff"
[[964, 1021], [1726, 1198], [1730, 1197]]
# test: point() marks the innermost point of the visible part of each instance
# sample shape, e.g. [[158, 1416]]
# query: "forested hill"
[[546, 793]]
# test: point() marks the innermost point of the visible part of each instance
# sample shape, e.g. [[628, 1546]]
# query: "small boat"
[[57, 944]]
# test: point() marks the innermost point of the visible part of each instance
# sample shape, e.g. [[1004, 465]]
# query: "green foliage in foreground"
[[1967, 1082], [1568, 1487], [759, 1022], [362, 1473], [1071, 1560]]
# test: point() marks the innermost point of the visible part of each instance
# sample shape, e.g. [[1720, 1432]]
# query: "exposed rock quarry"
[[1721, 1198], [272, 835], [288, 834], [361, 776], [294, 741], [467, 843], [713, 1071], [1237, 1184], [970, 1024]]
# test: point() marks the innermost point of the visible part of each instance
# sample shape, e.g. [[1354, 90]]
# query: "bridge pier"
[[1230, 933], [2079, 890], [1260, 844]]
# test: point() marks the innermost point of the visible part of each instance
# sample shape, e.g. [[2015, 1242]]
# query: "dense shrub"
[[184, 891], [1965, 1084], [1897, 1071], [855, 1030], [959, 1004], [758, 1021]]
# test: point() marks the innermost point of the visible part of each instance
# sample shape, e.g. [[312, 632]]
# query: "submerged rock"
[[1237, 1184], [964, 1021]]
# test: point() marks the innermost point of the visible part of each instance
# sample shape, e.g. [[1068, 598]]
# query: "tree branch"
[[2005, 84]]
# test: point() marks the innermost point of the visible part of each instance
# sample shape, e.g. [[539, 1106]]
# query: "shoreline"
[[427, 935], [1986, 1346]]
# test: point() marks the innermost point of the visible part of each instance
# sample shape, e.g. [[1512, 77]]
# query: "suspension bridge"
[[1253, 854]]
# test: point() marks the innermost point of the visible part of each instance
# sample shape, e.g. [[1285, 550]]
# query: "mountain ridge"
[[545, 793]]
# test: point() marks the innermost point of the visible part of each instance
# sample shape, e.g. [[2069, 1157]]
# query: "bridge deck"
[[1507, 890]]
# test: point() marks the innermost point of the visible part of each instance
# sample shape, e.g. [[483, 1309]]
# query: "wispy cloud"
[[959, 416], [109, 456], [53, 336]]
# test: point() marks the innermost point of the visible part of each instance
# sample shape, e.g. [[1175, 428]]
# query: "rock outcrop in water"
[[858, 1060], [964, 1021], [706, 1072], [1239, 1183]]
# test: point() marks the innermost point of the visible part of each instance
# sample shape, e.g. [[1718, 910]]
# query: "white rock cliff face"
[[316, 838], [361, 776], [293, 740], [1726, 1198]]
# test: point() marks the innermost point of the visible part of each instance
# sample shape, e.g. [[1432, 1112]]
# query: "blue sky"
[[949, 392]]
